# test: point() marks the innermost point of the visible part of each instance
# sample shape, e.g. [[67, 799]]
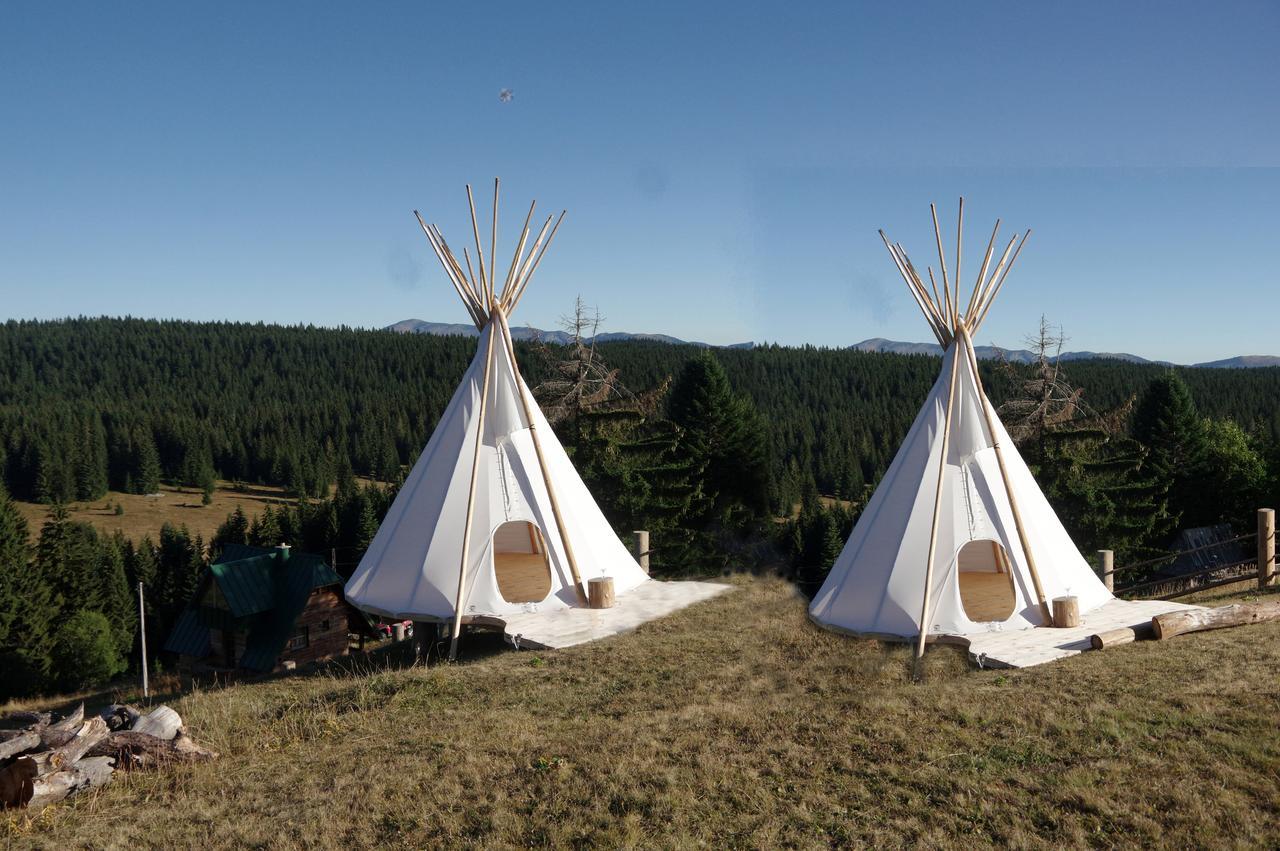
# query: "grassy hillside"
[[735, 722], [144, 514]]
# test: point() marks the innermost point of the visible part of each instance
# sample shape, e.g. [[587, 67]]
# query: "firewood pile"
[[43, 760]]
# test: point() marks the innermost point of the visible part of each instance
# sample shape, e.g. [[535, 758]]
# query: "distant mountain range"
[[875, 344], [523, 332], [879, 344]]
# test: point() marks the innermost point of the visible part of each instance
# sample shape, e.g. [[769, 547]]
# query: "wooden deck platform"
[[522, 577], [987, 596], [567, 627], [1023, 648]]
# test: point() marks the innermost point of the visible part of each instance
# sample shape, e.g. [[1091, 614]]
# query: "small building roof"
[[263, 590]]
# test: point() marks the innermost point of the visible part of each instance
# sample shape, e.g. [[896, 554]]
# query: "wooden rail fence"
[[1262, 565]]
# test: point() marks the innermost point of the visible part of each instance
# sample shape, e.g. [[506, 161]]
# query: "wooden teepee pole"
[[485, 289], [542, 463], [493, 243], [528, 276], [1000, 283], [937, 506], [515, 261], [471, 494], [989, 415]]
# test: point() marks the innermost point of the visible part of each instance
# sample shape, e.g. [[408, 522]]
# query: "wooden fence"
[[1262, 565]]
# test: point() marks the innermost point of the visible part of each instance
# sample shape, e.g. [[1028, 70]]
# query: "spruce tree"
[[1166, 423], [119, 603], [726, 435], [27, 609], [146, 476]]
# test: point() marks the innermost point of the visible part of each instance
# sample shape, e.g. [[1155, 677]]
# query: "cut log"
[[162, 722], [1195, 620], [25, 741], [1124, 635], [16, 783], [138, 751], [91, 732], [85, 774], [1066, 611], [600, 592], [72, 722], [25, 719], [120, 717], [59, 733]]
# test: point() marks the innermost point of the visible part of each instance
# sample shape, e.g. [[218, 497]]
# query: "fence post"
[[1266, 546], [642, 549], [1106, 565]]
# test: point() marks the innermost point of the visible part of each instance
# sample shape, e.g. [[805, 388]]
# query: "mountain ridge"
[[873, 344]]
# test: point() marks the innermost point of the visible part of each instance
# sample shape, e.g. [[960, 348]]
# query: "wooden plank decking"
[[1023, 648], [522, 577], [566, 627]]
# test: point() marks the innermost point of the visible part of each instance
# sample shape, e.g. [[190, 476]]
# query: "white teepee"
[[493, 488], [958, 538]]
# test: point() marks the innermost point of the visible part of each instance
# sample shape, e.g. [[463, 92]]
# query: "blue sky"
[[725, 167]]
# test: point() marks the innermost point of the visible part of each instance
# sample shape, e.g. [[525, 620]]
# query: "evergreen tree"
[[233, 530], [27, 609], [1166, 423], [146, 477], [265, 529], [67, 556], [91, 460], [724, 434], [119, 604]]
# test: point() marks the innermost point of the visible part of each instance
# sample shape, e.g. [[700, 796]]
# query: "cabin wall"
[[325, 622]]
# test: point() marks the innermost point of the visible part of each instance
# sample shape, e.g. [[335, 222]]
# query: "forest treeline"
[[92, 404], [729, 457]]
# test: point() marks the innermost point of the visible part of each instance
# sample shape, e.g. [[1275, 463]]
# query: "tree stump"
[[600, 592], [1066, 611]]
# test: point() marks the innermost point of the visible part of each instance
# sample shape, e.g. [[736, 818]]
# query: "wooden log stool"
[[600, 592], [1066, 611]]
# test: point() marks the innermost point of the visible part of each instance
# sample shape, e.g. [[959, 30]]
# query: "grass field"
[[144, 515], [735, 723]]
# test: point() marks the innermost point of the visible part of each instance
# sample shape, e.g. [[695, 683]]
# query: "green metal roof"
[[266, 589], [189, 636]]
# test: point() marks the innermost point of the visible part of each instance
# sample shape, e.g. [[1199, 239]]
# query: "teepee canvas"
[[958, 538], [493, 519]]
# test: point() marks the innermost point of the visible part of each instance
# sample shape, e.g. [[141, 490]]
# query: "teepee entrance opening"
[[520, 562], [986, 583]]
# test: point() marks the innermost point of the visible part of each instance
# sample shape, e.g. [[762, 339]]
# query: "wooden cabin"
[[265, 610]]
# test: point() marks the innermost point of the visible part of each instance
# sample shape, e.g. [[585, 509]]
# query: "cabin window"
[[520, 562], [324, 625], [301, 638], [986, 582]]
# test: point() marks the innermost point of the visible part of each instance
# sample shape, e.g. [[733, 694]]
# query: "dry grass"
[[733, 723], [145, 515]]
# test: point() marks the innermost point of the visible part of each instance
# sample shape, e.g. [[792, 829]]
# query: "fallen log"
[[91, 732], [60, 732], [140, 751], [24, 741], [1195, 620], [85, 774], [1124, 635], [162, 722], [16, 782]]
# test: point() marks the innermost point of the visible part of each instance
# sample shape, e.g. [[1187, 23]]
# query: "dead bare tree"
[[581, 380], [1047, 401]]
